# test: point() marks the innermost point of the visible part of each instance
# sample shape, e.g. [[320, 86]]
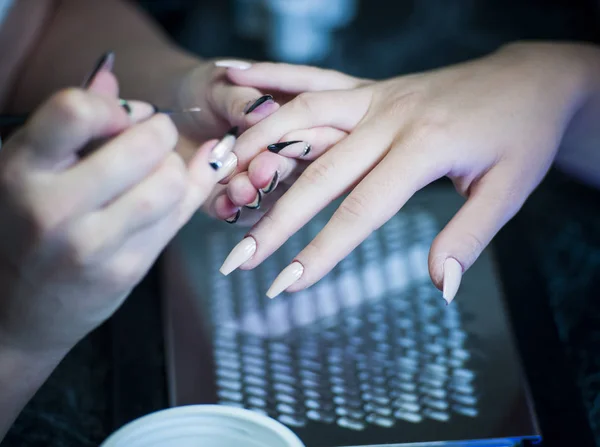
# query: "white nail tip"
[[452, 278], [240, 65], [240, 254], [286, 278]]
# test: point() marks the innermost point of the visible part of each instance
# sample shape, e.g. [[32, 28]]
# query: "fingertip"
[[105, 83], [198, 165], [223, 207]]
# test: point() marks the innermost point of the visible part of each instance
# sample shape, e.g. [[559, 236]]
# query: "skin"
[[79, 234], [493, 126]]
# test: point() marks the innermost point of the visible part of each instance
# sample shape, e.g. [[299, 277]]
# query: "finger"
[[268, 170], [146, 203], [241, 106], [122, 162], [323, 181], [306, 111], [291, 78], [202, 181], [223, 207], [307, 144], [67, 122], [241, 192], [372, 203], [492, 203], [104, 83]]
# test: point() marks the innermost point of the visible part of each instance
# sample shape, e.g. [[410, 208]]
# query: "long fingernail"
[[240, 254], [452, 278], [228, 166], [286, 278], [271, 186], [233, 219], [255, 204], [291, 148], [222, 149], [256, 104], [105, 63], [232, 63]]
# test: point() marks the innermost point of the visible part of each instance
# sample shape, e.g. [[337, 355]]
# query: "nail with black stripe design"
[[233, 219], [105, 63], [271, 186], [255, 204], [256, 104], [223, 149], [291, 148]]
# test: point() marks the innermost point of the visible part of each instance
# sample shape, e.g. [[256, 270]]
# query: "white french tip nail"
[[231, 63], [243, 251], [452, 277], [286, 278]]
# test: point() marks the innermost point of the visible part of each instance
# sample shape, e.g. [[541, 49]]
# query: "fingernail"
[[286, 278], [137, 110], [255, 204], [271, 186], [232, 63], [228, 166], [240, 254], [233, 219], [291, 148], [222, 149], [452, 277], [105, 63], [256, 104]]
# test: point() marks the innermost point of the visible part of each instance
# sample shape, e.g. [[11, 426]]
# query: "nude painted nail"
[[291, 148], [286, 278], [452, 277], [233, 219], [227, 167], [255, 204], [240, 254], [222, 149], [271, 186], [232, 63], [137, 110]]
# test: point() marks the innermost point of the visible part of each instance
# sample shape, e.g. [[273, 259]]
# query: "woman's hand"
[[79, 234], [493, 126]]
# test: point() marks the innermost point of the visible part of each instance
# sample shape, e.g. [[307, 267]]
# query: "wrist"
[[21, 375]]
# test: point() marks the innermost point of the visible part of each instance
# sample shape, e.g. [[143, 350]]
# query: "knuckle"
[[161, 131], [305, 102], [73, 105], [319, 171], [355, 206], [82, 244], [124, 272]]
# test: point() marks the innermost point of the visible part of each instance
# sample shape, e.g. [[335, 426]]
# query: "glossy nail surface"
[[105, 63], [256, 104], [286, 278], [227, 166], [255, 204], [222, 149], [233, 219], [271, 186], [291, 148], [240, 254], [452, 278], [233, 63]]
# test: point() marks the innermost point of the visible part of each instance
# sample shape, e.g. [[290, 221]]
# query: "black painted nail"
[[123, 103], [273, 184], [256, 203], [257, 103], [233, 219], [105, 62], [279, 146]]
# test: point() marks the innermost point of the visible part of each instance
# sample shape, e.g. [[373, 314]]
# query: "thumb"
[[490, 205]]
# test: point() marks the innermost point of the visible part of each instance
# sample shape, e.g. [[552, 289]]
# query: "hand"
[[79, 234], [492, 126]]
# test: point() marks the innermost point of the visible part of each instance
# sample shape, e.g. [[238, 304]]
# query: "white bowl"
[[202, 426]]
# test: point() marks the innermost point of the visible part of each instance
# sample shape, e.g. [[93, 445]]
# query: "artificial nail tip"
[[260, 101], [233, 219], [273, 184], [255, 204]]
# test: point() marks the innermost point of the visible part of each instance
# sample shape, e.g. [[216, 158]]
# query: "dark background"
[[117, 373]]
